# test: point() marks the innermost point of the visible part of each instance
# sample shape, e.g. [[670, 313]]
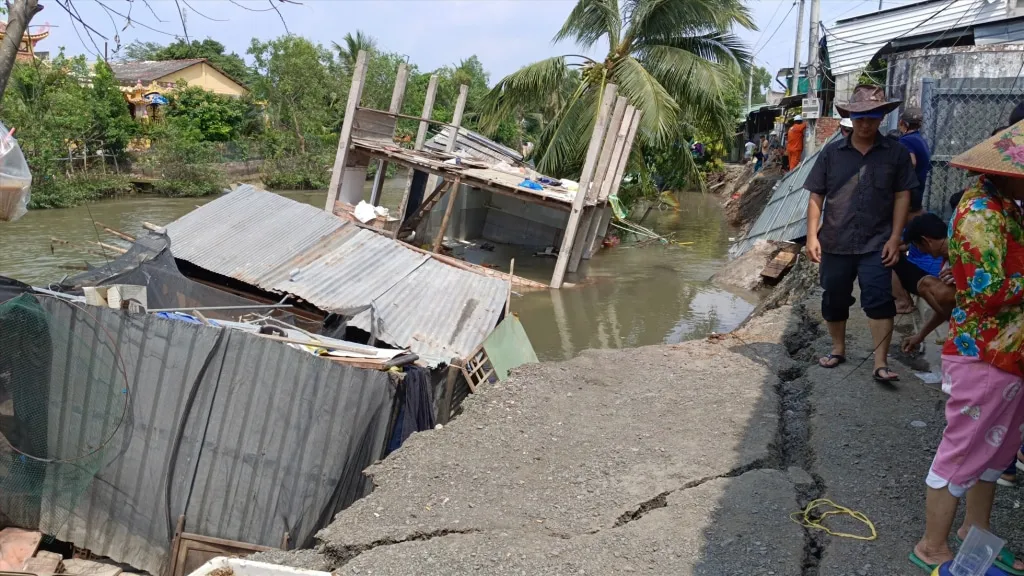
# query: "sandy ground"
[[681, 460]]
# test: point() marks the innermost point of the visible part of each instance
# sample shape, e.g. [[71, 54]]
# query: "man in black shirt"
[[866, 180]]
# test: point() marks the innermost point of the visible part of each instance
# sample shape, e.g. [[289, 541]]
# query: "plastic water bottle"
[[975, 557]]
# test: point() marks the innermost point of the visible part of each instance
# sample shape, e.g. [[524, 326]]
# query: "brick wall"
[[824, 129]]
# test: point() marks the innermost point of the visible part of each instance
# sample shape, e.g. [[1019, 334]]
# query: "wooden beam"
[[444, 407], [622, 133], [397, 96], [460, 107], [588, 223], [452, 194], [569, 235], [355, 93], [421, 137], [624, 158]]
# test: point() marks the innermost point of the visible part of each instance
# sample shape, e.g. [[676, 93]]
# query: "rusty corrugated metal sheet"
[[439, 309], [284, 246], [853, 42]]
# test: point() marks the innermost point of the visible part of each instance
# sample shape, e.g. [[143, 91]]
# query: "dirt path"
[[679, 460]]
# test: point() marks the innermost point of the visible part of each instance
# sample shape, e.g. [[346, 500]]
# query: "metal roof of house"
[[853, 42], [474, 144], [287, 247], [147, 71], [785, 215]]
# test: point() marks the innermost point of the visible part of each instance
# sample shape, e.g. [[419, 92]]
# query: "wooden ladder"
[[413, 222]]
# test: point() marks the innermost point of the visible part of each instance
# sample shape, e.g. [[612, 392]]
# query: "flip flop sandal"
[[839, 358], [1004, 561], [877, 375], [916, 561]]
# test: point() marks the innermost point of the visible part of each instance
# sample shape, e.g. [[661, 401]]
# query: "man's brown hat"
[[867, 98]]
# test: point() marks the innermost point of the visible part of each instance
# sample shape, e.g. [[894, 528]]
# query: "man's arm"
[[891, 250], [814, 206]]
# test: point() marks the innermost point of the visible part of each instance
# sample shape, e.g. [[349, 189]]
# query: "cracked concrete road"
[[680, 460]]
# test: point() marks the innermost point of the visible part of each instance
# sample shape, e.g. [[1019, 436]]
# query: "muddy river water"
[[633, 296]]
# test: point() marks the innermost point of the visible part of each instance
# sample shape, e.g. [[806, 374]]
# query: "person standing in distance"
[[795, 141], [867, 179]]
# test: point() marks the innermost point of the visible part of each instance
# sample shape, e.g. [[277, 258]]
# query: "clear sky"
[[504, 34]]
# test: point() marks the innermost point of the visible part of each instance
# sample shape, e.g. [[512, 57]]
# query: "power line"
[[768, 25], [784, 18]]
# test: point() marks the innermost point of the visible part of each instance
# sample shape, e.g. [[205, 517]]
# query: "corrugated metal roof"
[[474, 144], [785, 215], [147, 71], [284, 246], [440, 309], [853, 42]]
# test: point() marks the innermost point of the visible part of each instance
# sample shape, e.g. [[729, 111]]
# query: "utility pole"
[[879, 5], [796, 51], [813, 69]]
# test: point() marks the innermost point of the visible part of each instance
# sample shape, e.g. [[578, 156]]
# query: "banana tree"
[[673, 59]]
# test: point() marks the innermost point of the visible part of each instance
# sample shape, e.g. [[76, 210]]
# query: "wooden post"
[[397, 95], [600, 127], [608, 180], [511, 275], [453, 130], [355, 93], [452, 194], [421, 137], [600, 175], [444, 407], [619, 172]]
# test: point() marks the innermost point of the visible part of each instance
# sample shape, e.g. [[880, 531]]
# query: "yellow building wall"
[[208, 78]]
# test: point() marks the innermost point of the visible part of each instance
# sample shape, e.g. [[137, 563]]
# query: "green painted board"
[[509, 347]]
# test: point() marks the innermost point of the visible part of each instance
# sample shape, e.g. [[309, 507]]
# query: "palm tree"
[[353, 44], [673, 59]]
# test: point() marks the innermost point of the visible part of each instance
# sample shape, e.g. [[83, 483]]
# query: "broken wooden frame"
[[190, 551], [368, 135]]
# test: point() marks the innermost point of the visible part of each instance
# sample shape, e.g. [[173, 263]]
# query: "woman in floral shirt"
[[982, 362]]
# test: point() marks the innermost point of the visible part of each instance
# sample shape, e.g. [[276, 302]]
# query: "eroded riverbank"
[[676, 459]]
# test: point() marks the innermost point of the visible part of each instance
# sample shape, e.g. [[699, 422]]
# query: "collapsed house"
[[502, 200]]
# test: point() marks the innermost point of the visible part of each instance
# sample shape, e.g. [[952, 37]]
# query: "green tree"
[[218, 118], [110, 115], [230, 63], [672, 59], [139, 51], [348, 51]]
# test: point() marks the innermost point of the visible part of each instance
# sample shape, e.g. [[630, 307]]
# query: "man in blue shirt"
[[920, 155]]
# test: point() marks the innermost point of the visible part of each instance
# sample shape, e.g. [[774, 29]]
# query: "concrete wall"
[[480, 214], [206, 77], [907, 69]]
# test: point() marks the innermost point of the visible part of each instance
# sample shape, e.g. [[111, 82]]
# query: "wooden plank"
[[452, 195], [569, 235], [76, 566], [460, 108], [44, 563], [421, 137], [511, 275], [779, 264], [617, 148], [444, 408], [355, 93], [413, 222], [374, 125], [397, 96]]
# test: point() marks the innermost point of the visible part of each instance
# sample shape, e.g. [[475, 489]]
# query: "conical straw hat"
[[1002, 154]]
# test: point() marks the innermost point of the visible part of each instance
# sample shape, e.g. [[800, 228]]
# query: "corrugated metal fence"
[[246, 437], [959, 113]]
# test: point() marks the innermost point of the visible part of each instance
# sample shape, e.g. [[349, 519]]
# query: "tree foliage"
[[230, 63], [673, 60]]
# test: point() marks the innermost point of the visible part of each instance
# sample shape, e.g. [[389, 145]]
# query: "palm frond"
[[650, 20], [644, 91], [719, 48], [529, 88], [590, 20], [563, 142], [698, 85]]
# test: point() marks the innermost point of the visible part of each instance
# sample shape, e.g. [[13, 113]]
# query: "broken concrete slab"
[[568, 448], [734, 525]]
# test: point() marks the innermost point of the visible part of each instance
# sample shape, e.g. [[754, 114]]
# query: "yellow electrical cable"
[[804, 519]]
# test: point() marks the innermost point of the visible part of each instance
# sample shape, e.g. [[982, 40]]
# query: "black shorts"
[[910, 274], [837, 273]]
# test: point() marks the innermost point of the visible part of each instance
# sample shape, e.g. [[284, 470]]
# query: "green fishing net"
[[63, 399]]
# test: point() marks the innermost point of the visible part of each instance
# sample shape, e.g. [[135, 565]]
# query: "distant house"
[[166, 74], [145, 83]]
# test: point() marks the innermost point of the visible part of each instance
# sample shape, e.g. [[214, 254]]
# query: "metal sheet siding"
[[273, 439], [853, 42], [354, 272], [439, 310], [785, 215], [249, 234], [284, 246]]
